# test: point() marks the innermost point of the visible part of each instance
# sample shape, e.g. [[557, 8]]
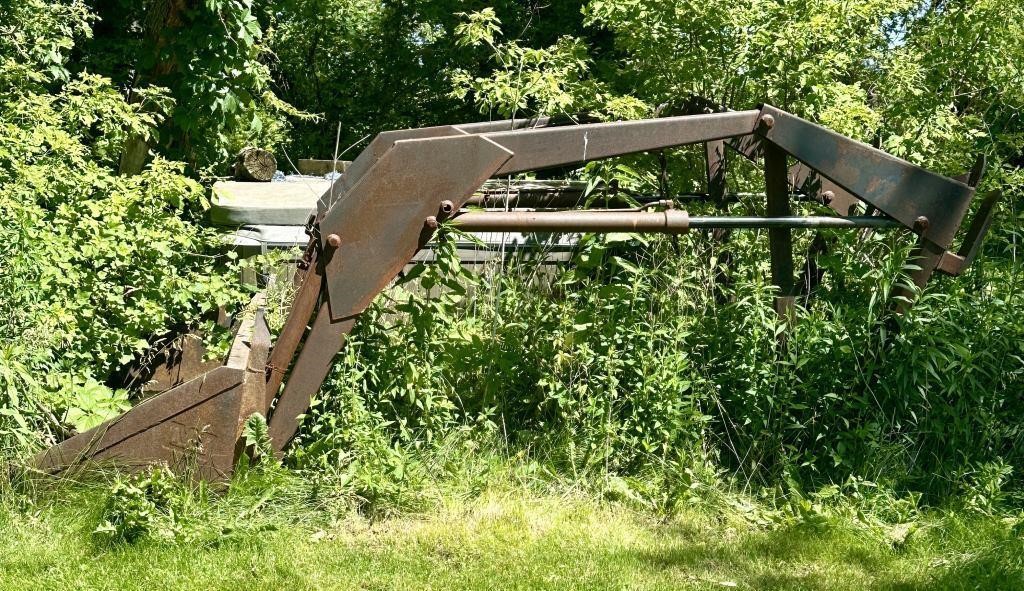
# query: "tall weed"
[[635, 357]]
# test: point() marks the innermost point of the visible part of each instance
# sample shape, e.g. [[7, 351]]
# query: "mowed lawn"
[[515, 542]]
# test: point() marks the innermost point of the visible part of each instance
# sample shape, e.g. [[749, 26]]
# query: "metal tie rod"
[[668, 222]]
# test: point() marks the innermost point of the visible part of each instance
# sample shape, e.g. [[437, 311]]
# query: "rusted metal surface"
[[954, 264], [509, 194], [798, 222], [499, 194], [972, 178], [392, 206], [653, 222], [780, 240], [902, 190], [386, 140], [748, 146], [159, 429], [714, 160], [178, 363], [251, 355], [802, 178], [405, 184], [380, 221], [824, 191], [380, 217], [299, 316], [537, 149], [198, 422], [325, 339]]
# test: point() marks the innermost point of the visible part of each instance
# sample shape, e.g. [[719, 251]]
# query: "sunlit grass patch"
[[507, 539]]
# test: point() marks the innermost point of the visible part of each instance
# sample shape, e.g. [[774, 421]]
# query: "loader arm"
[[388, 204]]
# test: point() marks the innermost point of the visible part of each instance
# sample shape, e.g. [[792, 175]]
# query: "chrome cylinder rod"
[[793, 222]]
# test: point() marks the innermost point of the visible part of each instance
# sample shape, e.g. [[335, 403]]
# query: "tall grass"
[[662, 356]]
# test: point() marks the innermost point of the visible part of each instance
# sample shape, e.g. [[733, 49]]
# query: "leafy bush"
[[92, 264], [656, 355], [631, 360], [141, 505], [207, 56]]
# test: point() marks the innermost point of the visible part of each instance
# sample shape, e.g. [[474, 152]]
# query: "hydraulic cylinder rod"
[[667, 222], [670, 221], [794, 222]]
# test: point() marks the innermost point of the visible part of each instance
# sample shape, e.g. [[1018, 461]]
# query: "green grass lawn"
[[512, 541]]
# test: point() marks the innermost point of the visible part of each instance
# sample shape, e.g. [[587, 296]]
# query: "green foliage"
[[636, 359], [371, 66], [524, 80], [159, 506], [22, 412], [645, 358], [92, 264], [954, 84], [654, 366], [507, 535], [209, 59], [256, 435], [92, 403], [985, 488], [141, 505], [806, 57], [40, 35]]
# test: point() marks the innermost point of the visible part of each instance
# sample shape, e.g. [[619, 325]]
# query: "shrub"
[[634, 359], [141, 505], [92, 265]]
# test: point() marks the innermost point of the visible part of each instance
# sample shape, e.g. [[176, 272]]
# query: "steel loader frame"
[[393, 197]]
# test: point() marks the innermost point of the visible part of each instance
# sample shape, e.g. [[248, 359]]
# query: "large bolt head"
[[334, 240], [431, 222], [768, 121], [447, 206]]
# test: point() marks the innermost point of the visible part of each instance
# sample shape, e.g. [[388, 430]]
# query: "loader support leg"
[[714, 153], [780, 240], [925, 256], [325, 339], [302, 310]]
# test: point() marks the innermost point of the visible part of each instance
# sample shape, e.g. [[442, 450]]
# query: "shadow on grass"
[[824, 558], [998, 567]]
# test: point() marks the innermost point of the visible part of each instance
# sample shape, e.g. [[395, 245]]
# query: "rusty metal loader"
[[393, 197]]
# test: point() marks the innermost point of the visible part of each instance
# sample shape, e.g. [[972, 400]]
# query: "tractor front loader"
[[392, 198]]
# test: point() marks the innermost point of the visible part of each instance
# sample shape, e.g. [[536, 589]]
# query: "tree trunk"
[[163, 20]]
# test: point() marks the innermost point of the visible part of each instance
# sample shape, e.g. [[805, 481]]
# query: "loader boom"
[[397, 192]]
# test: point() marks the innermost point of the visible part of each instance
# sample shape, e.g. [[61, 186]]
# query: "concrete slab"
[[283, 203]]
